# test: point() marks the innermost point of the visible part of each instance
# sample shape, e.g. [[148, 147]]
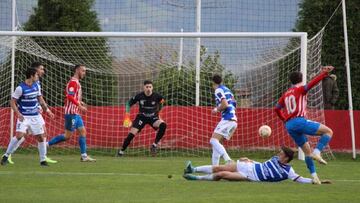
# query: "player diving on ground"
[[275, 169]]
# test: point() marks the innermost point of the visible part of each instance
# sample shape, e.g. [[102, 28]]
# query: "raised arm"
[[318, 78]]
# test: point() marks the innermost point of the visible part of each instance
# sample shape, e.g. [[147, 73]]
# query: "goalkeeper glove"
[[127, 121]]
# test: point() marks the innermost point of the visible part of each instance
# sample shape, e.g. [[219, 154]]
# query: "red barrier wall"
[[188, 127]]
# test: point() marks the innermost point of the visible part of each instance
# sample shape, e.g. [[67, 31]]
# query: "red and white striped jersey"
[[294, 100], [72, 96]]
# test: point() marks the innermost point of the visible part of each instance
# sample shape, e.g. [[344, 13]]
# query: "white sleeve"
[[219, 94], [39, 89], [17, 93], [295, 177]]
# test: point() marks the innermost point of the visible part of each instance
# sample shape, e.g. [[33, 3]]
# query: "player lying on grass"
[[294, 116], [273, 170]]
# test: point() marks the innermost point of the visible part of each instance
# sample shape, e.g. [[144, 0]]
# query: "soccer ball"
[[264, 131]]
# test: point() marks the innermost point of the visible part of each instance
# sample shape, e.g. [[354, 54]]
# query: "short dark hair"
[[295, 77], [30, 72], [288, 152], [217, 79], [148, 82], [77, 67], [36, 65]]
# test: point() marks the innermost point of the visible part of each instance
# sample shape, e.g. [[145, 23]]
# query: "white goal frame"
[[198, 35]]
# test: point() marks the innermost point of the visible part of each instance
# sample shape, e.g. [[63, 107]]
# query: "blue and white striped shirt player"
[[274, 171], [27, 98], [222, 92]]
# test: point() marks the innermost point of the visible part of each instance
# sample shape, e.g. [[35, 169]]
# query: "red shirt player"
[[73, 120], [293, 101]]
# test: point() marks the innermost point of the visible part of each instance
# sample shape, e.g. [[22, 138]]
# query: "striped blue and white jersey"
[[27, 98], [274, 171], [39, 86], [222, 92]]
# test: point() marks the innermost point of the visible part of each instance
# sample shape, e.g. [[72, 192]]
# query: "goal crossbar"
[[156, 34]]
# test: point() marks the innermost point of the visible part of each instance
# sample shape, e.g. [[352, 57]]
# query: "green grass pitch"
[[145, 179]]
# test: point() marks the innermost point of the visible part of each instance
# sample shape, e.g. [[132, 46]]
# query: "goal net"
[[255, 69]]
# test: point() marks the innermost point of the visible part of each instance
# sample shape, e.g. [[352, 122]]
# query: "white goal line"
[[115, 174]]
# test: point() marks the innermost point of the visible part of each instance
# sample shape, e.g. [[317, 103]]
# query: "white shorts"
[[33, 124], [42, 120], [226, 128], [246, 169]]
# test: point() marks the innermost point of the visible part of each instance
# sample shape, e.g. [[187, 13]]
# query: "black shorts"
[[141, 120]]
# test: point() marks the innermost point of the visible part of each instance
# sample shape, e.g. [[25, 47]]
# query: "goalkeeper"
[[150, 103]]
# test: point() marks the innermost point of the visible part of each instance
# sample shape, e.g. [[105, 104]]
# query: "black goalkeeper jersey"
[[148, 105]]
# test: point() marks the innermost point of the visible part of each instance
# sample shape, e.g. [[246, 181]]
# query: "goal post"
[[254, 64]]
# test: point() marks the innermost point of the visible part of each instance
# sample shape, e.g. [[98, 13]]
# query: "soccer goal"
[[255, 66]]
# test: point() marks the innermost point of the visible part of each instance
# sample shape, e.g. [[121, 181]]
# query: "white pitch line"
[[347, 180], [77, 173], [112, 174]]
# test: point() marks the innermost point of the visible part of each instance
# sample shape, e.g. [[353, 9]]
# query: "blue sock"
[[82, 143], [57, 139], [310, 164], [324, 140]]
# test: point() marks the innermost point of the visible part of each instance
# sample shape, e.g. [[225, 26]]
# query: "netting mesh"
[[255, 69]]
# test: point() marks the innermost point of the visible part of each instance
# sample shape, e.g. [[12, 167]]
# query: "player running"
[[294, 102], [226, 104], [41, 71], [150, 104], [73, 106], [25, 102], [273, 170]]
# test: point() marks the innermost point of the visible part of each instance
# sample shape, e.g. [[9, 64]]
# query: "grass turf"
[[145, 179]]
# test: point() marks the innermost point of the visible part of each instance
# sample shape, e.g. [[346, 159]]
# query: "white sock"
[[215, 158], [84, 155], [314, 175], [12, 146], [316, 151], [206, 177], [18, 144], [203, 169], [220, 149], [42, 151]]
